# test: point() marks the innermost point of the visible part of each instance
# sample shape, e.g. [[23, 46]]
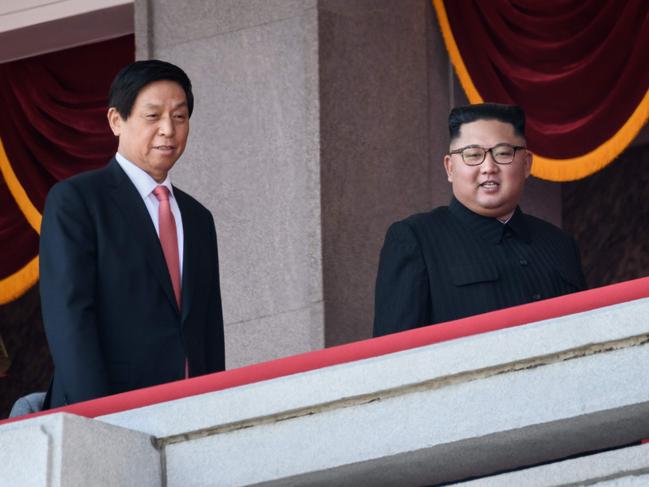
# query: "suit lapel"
[[189, 251], [137, 217]]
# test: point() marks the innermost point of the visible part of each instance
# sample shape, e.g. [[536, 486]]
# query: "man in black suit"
[[129, 273], [481, 252]]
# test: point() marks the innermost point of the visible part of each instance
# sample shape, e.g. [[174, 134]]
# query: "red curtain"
[[578, 67], [19, 240], [52, 127]]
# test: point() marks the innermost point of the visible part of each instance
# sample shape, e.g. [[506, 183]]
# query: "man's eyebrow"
[[470, 146], [158, 105]]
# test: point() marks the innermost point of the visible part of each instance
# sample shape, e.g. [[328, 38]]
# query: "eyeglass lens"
[[502, 154]]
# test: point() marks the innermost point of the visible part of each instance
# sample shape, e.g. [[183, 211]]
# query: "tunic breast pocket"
[[570, 280], [468, 274]]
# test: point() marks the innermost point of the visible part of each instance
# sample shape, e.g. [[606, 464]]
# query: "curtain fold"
[[53, 126], [577, 67]]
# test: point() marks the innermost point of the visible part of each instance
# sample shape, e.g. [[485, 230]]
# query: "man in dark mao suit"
[[481, 252], [129, 273]]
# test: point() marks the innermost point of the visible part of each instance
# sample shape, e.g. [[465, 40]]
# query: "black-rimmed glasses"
[[474, 155]]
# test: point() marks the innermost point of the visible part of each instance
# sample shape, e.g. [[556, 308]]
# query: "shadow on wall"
[[21, 328], [607, 213]]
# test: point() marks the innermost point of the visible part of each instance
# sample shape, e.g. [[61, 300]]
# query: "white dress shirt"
[[145, 185]]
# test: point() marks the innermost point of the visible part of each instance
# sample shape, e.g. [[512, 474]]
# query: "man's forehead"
[[483, 129], [161, 91], [157, 104]]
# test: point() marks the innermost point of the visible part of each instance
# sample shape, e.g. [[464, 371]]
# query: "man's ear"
[[115, 121], [448, 165], [528, 163]]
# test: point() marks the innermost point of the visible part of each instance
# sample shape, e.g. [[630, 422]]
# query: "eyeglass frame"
[[490, 150]]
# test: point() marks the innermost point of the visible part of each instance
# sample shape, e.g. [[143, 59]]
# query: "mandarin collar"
[[488, 228]]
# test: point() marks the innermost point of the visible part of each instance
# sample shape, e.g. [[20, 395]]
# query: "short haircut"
[[130, 80], [511, 114]]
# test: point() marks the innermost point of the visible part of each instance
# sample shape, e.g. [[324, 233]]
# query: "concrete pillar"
[[253, 158]]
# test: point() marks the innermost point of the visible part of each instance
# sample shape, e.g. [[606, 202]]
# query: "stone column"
[[253, 158], [384, 99]]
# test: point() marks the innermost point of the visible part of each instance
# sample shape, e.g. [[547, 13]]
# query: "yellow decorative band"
[[600, 157], [19, 194], [544, 167], [19, 282]]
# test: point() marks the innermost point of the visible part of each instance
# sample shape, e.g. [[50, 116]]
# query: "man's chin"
[[493, 209]]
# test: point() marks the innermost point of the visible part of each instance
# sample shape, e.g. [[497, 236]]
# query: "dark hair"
[[510, 114], [130, 80]]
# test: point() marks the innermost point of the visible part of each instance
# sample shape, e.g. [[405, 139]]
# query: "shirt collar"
[[142, 181], [488, 228]]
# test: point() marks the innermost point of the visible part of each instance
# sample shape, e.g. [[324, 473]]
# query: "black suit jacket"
[[451, 263], [108, 306]]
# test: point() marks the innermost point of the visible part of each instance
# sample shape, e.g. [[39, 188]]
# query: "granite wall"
[[608, 214], [252, 158]]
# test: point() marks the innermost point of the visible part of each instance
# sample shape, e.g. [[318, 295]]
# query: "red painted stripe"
[[473, 325]]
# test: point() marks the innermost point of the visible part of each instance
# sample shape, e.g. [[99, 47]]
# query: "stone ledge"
[[440, 364]]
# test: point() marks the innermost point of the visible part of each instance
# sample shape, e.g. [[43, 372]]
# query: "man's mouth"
[[164, 147], [489, 185]]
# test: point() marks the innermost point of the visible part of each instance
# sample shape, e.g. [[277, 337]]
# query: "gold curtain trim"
[[18, 283], [16, 189], [581, 166], [545, 167]]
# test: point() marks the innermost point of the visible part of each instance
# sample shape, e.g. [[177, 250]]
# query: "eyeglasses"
[[474, 155]]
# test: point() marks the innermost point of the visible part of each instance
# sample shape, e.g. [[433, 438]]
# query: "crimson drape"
[[53, 125], [578, 67], [19, 241]]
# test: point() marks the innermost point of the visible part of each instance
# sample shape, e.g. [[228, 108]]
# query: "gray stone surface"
[[253, 159], [209, 18], [63, 450], [421, 365], [271, 337], [626, 466], [383, 82], [432, 431], [25, 459], [445, 412]]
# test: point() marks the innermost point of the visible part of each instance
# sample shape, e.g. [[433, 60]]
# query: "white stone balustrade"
[[451, 411]]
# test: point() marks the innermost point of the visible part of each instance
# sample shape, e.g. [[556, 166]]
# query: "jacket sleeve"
[[402, 296], [579, 269], [68, 272], [214, 339]]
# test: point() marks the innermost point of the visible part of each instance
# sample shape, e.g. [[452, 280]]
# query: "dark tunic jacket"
[[451, 263]]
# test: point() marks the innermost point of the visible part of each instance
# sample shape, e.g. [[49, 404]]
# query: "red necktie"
[[168, 238]]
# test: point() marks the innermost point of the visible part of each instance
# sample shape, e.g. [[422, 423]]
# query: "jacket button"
[[536, 296], [523, 262]]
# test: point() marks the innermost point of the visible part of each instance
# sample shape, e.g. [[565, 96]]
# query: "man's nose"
[[489, 164], [166, 127]]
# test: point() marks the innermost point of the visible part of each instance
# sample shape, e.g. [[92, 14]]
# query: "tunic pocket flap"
[[466, 274], [571, 276]]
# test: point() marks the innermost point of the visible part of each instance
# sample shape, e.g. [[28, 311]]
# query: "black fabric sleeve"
[[580, 270], [68, 294], [214, 336], [402, 295]]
